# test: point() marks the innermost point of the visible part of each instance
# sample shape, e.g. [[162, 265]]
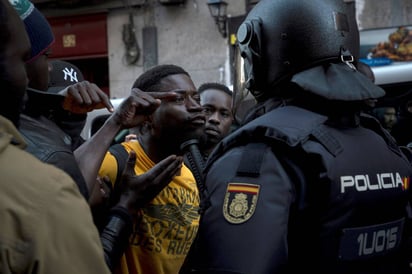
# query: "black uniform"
[[308, 182], [289, 191]]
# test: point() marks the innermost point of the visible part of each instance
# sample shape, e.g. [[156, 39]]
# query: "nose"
[[193, 105], [213, 118]]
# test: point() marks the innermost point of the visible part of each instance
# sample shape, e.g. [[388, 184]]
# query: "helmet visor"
[[242, 99]]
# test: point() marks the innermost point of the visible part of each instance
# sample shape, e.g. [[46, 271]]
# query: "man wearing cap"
[[45, 139], [64, 75], [40, 123]]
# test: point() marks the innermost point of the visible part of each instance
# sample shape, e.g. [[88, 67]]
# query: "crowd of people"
[[312, 177]]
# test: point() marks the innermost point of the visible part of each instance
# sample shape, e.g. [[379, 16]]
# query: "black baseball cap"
[[63, 74]]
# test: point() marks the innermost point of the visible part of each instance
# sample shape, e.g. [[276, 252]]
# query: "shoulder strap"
[[284, 128], [290, 125], [121, 155], [372, 123]]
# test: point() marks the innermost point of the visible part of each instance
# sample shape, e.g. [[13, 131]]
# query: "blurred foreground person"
[[46, 224], [42, 122], [307, 181]]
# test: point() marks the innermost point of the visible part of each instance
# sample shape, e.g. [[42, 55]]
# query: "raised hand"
[[131, 113], [135, 108], [135, 191], [84, 97]]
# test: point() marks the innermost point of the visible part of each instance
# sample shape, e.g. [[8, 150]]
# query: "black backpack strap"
[[121, 155], [101, 211]]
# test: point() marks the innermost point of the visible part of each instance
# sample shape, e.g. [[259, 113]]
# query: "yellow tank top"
[[163, 230]]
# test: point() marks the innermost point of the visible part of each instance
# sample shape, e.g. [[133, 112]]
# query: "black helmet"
[[280, 38]]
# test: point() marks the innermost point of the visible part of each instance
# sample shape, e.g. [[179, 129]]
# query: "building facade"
[[113, 42]]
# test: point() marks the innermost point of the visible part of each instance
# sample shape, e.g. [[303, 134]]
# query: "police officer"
[[308, 182]]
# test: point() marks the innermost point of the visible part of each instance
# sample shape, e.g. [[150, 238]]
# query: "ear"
[[149, 119], [144, 128]]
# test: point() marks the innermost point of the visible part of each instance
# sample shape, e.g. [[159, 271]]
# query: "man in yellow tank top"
[[165, 228]]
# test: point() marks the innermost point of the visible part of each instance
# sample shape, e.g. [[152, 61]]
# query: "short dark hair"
[[217, 86], [150, 79]]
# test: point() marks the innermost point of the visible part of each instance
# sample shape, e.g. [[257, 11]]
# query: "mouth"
[[212, 131], [199, 120]]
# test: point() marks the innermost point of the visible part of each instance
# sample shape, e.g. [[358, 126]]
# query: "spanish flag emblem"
[[240, 202], [405, 183]]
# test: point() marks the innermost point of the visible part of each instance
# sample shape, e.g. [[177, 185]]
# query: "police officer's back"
[[307, 182]]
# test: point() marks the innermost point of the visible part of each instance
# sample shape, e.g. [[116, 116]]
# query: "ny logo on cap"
[[70, 73]]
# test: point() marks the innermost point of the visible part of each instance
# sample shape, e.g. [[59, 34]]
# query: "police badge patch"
[[240, 202]]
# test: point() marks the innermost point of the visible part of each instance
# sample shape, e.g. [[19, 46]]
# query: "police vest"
[[330, 177]]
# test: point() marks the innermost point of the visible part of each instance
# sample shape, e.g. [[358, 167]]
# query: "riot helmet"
[[280, 38]]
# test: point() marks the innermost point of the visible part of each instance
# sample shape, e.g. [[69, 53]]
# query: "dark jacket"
[[51, 145]]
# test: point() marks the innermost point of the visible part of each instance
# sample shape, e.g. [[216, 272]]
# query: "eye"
[[180, 99], [225, 115], [196, 97], [207, 110]]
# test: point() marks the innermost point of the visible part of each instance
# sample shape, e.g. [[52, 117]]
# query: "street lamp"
[[217, 9]]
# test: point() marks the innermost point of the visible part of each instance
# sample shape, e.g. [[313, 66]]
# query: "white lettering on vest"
[[362, 182]]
